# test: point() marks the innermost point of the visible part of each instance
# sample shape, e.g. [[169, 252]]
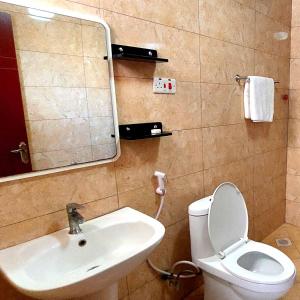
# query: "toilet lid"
[[227, 217]]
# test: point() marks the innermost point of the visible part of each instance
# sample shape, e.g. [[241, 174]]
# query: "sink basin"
[[60, 265]]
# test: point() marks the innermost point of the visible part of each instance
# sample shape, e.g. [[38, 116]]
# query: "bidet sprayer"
[[161, 178]]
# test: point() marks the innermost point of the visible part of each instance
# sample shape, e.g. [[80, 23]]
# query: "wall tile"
[[181, 192], [227, 20], [268, 222], [137, 103], [40, 196], [49, 103], [104, 151], [96, 73], [61, 68], [268, 136], [51, 37], [296, 13], [293, 137], [292, 187], [60, 158], [270, 195], [225, 144], [266, 65], [283, 73], [279, 10], [181, 48], [249, 200], [141, 276], [32, 228], [177, 155], [293, 212], [174, 247], [249, 3], [265, 169], [240, 173], [221, 104], [265, 40], [101, 130], [93, 41], [221, 61], [61, 6], [99, 102], [169, 13], [293, 161], [295, 43], [294, 104], [294, 73], [281, 109], [94, 3], [51, 135]]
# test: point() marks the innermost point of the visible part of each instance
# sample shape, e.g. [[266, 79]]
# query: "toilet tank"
[[198, 221]]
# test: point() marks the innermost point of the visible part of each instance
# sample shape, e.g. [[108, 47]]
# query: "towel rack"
[[239, 78]]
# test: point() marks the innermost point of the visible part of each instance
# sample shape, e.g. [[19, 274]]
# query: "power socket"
[[164, 85]]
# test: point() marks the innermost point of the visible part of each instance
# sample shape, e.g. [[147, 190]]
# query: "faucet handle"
[[72, 207]]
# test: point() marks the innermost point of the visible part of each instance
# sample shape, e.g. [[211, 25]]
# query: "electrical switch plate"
[[164, 85]]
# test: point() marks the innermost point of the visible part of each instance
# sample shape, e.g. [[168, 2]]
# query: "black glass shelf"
[[123, 52], [142, 131], [165, 133]]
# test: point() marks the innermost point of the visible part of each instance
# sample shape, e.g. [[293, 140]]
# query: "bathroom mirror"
[[57, 95]]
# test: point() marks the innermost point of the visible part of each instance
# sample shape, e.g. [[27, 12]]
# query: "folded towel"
[[247, 99], [259, 99]]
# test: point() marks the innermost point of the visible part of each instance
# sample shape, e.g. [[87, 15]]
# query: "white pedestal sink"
[[63, 266]]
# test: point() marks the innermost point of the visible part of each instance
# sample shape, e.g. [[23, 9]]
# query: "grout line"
[[213, 167], [83, 4], [148, 21], [86, 95], [54, 212], [136, 188], [201, 103], [199, 33], [116, 182], [59, 53], [190, 31]]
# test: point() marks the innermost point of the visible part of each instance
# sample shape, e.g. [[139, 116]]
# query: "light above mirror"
[[40, 15]]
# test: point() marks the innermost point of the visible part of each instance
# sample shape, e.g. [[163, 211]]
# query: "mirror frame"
[[88, 17]]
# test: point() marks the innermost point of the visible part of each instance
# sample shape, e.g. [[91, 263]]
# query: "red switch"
[[170, 85], [285, 97]]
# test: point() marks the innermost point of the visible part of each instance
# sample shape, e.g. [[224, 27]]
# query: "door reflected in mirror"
[[56, 105]]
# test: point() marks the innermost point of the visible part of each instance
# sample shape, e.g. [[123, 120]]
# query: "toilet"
[[234, 267]]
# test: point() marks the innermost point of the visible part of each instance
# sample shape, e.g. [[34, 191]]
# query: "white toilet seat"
[[213, 265], [230, 263]]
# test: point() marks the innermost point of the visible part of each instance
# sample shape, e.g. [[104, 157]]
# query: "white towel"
[[259, 99], [247, 99]]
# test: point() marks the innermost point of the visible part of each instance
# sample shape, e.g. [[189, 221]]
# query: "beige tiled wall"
[[293, 166], [207, 43]]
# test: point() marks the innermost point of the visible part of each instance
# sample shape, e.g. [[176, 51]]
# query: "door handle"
[[23, 151]]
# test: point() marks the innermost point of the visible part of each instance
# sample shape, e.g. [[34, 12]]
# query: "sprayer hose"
[[178, 263]]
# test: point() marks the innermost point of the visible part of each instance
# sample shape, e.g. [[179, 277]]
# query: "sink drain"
[[82, 243]]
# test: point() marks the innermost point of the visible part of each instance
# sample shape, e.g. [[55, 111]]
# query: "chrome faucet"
[[74, 217]]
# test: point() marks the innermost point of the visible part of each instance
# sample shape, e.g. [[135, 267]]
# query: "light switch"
[[164, 85]]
